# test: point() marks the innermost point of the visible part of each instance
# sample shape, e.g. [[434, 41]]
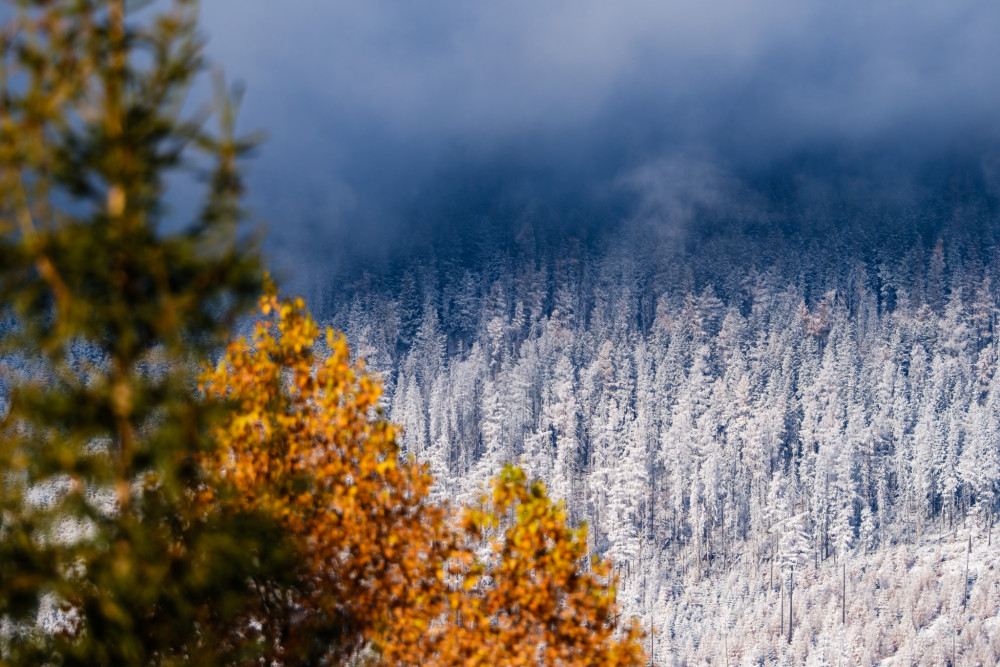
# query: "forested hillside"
[[773, 389]]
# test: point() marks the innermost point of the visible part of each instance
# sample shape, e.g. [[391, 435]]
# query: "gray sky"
[[381, 113]]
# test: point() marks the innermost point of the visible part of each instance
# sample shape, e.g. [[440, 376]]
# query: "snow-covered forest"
[[744, 411]]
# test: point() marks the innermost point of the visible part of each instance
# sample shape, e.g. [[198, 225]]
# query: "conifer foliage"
[[106, 555]]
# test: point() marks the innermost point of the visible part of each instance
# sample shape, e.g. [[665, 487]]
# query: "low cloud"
[[381, 113]]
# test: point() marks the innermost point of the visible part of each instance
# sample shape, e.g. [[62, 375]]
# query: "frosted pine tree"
[[441, 435], [867, 531], [680, 446], [564, 415], [493, 448], [410, 412], [793, 553]]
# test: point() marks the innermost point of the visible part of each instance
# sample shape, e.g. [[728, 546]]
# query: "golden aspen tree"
[[383, 571], [529, 600], [303, 443]]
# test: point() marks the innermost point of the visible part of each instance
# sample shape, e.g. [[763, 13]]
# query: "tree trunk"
[[965, 594], [791, 612], [843, 597], [781, 596], [771, 580]]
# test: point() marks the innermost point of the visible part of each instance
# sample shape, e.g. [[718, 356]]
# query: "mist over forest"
[[395, 129]]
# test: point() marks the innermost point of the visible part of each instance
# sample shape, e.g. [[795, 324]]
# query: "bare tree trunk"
[[771, 581], [781, 629], [918, 523], [791, 612], [965, 594], [697, 541]]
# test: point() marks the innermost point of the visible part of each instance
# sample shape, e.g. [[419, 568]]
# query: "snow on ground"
[[904, 606]]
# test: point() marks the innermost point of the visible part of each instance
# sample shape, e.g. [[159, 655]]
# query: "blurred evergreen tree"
[[108, 552]]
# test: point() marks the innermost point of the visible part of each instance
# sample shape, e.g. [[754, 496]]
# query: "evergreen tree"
[[112, 313]]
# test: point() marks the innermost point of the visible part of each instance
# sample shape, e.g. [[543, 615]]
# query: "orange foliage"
[[381, 568], [300, 444], [527, 600]]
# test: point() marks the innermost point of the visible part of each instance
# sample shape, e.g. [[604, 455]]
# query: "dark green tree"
[[108, 552]]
